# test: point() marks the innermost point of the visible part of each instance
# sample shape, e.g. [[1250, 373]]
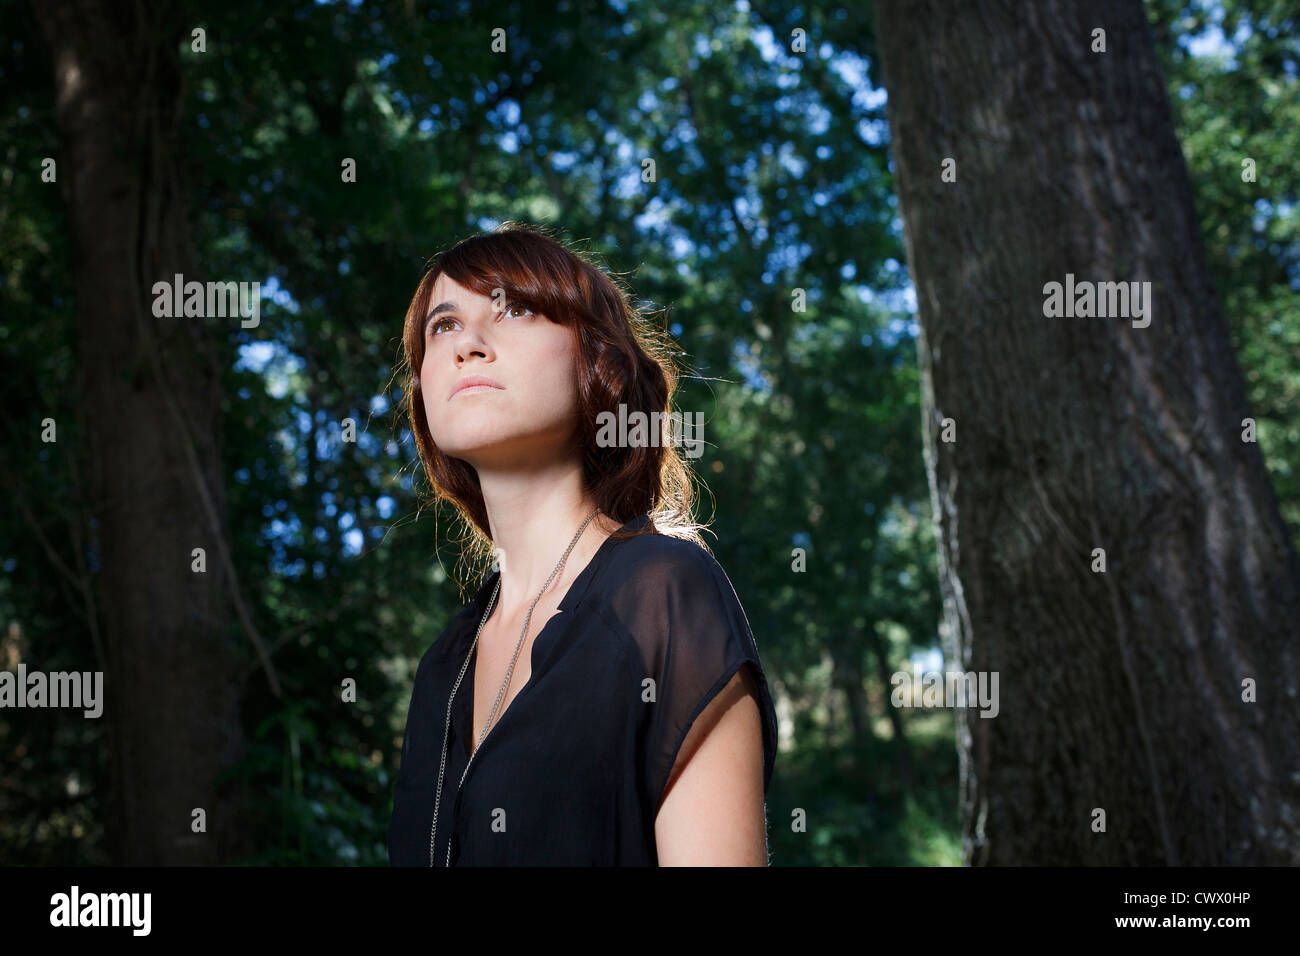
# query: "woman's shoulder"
[[655, 558], [687, 636], [658, 585]]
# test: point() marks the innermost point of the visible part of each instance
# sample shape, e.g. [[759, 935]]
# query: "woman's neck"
[[532, 522]]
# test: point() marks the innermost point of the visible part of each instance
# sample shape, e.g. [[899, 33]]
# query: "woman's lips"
[[471, 389], [472, 383]]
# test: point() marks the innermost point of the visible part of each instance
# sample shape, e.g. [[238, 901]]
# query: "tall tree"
[[148, 434], [1162, 690]]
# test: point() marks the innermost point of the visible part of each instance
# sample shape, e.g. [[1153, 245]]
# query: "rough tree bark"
[[1121, 690], [149, 427]]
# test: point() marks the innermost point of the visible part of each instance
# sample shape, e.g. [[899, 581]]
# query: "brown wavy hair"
[[621, 358]]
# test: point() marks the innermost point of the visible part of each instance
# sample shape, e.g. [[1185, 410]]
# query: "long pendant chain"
[[442, 765]]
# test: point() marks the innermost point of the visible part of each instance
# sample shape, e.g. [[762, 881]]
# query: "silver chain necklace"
[[442, 765]]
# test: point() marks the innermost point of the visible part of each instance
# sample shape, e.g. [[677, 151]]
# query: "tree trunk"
[[1120, 691], [148, 433], [880, 653], [846, 674]]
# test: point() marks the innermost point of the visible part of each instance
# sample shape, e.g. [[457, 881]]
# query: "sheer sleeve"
[[691, 636]]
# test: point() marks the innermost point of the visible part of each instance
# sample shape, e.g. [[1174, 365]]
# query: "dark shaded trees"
[[149, 427]]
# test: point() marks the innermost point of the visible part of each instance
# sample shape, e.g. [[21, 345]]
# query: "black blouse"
[[572, 772]]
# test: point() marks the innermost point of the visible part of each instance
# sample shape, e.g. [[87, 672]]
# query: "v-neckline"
[[577, 590], [472, 674]]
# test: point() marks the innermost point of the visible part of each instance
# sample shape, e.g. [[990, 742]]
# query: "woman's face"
[[530, 414]]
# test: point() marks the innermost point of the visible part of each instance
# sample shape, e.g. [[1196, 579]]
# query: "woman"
[[601, 701]]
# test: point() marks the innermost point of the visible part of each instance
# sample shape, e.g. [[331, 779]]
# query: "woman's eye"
[[435, 326]]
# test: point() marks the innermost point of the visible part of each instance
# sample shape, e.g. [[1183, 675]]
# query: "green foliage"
[[1232, 107], [858, 813]]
